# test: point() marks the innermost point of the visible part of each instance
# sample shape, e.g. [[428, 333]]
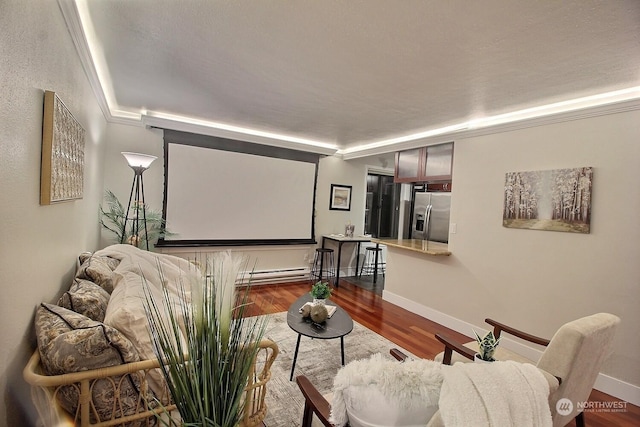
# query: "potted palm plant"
[[113, 218], [208, 346]]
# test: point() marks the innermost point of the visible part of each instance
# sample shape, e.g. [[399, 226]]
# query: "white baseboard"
[[604, 383]]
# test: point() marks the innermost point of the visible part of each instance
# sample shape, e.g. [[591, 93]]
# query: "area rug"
[[318, 360]]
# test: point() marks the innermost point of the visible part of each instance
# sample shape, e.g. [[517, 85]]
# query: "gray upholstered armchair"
[[570, 364]]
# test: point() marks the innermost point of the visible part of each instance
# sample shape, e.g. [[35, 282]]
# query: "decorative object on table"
[[349, 229], [553, 200], [209, 346], [487, 346], [318, 313], [113, 220], [305, 310], [62, 167], [320, 291], [139, 163], [340, 197]]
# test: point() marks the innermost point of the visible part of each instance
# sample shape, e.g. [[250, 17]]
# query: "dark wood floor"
[[407, 330]]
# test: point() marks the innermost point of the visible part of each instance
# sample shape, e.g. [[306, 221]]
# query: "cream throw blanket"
[[495, 394]]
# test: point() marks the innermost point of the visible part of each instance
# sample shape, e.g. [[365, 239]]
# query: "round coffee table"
[[337, 326]]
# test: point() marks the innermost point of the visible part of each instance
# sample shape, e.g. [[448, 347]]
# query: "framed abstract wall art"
[[553, 200], [62, 167], [340, 197]]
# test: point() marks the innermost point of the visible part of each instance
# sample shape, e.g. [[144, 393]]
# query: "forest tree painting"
[[553, 200]]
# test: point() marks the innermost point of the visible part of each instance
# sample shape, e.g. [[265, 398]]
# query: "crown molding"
[[566, 116], [152, 120], [71, 17]]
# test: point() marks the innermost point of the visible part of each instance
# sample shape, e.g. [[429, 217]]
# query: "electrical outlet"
[[453, 228]]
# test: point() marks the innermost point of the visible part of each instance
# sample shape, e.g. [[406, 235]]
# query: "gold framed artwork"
[[553, 200], [62, 168]]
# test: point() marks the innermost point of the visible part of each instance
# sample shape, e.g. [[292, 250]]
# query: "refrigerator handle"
[[427, 223]]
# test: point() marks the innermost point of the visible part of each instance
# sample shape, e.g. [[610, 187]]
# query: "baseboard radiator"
[[262, 277]]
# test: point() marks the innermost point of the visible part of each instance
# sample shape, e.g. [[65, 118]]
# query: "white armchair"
[[569, 364], [574, 355]]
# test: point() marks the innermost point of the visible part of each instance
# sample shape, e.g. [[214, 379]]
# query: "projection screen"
[[219, 197]]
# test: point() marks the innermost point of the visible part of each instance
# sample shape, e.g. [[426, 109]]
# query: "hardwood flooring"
[[407, 330]]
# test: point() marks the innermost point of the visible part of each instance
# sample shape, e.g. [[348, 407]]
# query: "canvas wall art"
[[553, 200], [62, 168]]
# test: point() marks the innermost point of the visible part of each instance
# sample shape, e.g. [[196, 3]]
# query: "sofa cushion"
[[70, 342], [378, 392], [86, 298], [98, 269]]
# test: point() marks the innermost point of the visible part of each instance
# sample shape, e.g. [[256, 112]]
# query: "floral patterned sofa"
[[95, 364]]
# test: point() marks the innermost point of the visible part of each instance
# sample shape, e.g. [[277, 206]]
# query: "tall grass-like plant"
[[208, 347]]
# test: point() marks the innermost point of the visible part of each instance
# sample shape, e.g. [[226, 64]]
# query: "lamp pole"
[[139, 163]]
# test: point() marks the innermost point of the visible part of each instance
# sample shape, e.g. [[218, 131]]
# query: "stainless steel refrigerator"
[[431, 216]]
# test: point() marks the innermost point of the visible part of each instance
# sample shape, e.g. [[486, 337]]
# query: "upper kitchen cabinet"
[[432, 163], [409, 165]]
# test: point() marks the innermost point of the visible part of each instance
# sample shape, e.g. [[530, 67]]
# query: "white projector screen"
[[214, 196]]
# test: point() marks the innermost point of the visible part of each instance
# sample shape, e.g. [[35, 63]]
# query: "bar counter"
[[423, 246]]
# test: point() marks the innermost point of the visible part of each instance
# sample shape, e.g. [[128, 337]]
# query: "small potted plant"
[[320, 291], [487, 346]]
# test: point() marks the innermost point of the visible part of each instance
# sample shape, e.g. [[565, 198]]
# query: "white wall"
[[334, 170], [538, 280], [39, 243]]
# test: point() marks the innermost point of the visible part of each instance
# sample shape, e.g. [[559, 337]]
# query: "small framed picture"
[[340, 197]]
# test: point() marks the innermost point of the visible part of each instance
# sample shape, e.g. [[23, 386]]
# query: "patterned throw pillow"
[[86, 298], [98, 269], [70, 342]]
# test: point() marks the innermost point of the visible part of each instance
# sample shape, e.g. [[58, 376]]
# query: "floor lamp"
[[139, 163]]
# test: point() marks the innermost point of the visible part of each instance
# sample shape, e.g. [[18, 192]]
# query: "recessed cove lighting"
[[187, 122], [576, 104]]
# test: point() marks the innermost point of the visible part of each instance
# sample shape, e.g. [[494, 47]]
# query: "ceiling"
[[344, 75]]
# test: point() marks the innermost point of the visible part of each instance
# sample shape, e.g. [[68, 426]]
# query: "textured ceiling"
[[358, 71]]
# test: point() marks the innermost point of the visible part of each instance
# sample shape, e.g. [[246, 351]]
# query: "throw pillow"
[[70, 342], [99, 270], [86, 298]]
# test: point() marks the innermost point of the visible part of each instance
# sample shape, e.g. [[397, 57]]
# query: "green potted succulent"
[[487, 346], [320, 291]]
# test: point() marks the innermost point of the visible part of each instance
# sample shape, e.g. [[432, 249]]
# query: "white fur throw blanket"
[[494, 394], [407, 387]]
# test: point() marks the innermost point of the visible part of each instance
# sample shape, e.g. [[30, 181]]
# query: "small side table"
[[337, 326]]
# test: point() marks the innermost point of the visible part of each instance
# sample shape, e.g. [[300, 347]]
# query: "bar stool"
[[323, 268], [369, 265]]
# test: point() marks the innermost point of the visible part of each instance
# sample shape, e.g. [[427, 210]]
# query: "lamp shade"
[[137, 160]]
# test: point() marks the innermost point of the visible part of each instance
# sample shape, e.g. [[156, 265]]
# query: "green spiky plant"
[[207, 348], [487, 345], [113, 219], [321, 290]]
